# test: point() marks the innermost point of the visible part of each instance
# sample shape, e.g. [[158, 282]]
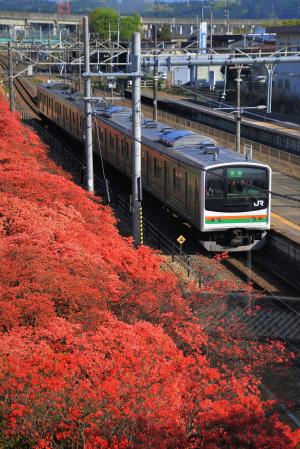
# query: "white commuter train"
[[224, 195]]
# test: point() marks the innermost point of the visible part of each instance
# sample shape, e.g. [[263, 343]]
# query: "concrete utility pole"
[[136, 163], [238, 81], [155, 77], [227, 17], [270, 69], [88, 133], [10, 77]]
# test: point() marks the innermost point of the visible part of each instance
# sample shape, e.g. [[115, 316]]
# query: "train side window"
[[156, 167], [80, 123], [127, 150], [176, 180], [215, 184]]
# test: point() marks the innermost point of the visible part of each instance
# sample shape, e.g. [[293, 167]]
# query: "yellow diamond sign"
[[181, 239]]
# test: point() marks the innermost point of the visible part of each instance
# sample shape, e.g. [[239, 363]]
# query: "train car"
[[224, 195]]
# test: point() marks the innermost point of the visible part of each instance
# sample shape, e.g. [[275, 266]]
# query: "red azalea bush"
[[99, 349]]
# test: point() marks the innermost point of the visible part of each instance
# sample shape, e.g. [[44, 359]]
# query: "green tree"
[[103, 20], [128, 25], [164, 34], [106, 19]]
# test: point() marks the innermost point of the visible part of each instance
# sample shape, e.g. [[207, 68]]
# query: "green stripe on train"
[[245, 220]]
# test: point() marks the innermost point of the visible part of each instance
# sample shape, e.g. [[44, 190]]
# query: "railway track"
[[23, 91]]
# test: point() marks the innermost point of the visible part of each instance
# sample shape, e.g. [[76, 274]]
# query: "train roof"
[[183, 145]]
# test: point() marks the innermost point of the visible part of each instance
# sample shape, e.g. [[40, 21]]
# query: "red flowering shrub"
[[99, 349]]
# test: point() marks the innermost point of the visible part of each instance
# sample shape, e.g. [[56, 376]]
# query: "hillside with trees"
[[238, 9], [100, 347], [251, 9]]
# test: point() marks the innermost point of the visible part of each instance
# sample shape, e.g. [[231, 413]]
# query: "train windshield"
[[236, 189]]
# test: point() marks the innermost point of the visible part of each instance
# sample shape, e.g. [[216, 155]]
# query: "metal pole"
[[10, 78], [136, 169], [88, 134], [249, 266], [79, 76], [227, 17], [238, 112], [211, 30], [196, 83], [155, 77], [50, 59], [270, 68]]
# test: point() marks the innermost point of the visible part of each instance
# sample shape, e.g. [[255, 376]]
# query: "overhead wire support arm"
[[219, 60], [136, 74], [11, 77]]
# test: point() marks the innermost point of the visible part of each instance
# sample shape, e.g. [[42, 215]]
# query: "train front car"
[[236, 206]]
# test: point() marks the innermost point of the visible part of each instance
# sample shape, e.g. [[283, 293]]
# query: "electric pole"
[[238, 81], [88, 133], [270, 69], [10, 77], [227, 17], [136, 163], [155, 77]]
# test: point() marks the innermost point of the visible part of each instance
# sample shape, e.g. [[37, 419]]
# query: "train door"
[[165, 180], [186, 191], [188, 194], [52, 108], [196, 205], [105, 140], [148, 161], [117, 151], [64, 117]]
